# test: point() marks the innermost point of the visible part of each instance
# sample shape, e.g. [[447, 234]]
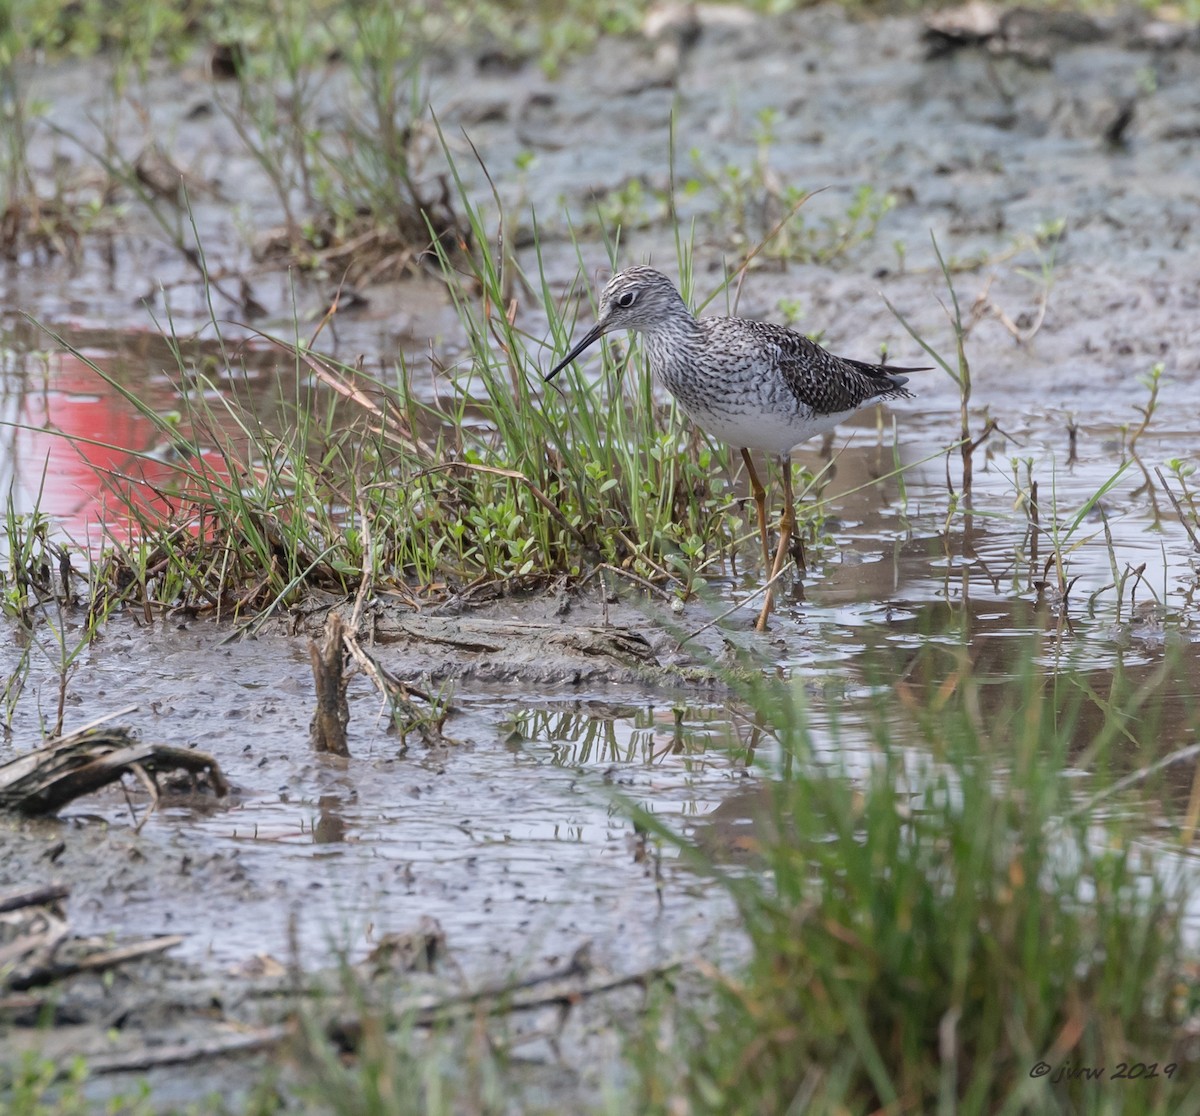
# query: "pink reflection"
[[88, 439]]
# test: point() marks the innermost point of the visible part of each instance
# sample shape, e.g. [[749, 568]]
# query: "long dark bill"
[[590, 338]]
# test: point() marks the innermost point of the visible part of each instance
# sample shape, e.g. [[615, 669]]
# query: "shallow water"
[[517, 839], [513, 839]]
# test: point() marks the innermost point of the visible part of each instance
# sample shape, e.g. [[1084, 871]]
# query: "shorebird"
[[751, 384]]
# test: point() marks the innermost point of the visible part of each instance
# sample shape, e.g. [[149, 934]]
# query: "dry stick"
[[42, 782], [129, 806], [637, 579], [503, 999], [632, 548], [33, 897], [350, 1030], [21, 950], [102, 720], [1191, 532], [730, 611], [151, 788], [391, 689], [1128, 781], [93, 962], [1021, 336], [150, 1057]]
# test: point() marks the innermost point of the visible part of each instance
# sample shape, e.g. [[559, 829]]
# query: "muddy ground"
[[513, 838], [978, 146]]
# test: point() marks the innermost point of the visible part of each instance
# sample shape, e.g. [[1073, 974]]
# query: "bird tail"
[[891, 379]]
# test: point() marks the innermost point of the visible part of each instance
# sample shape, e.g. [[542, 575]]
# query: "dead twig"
[[180, 1053], [1183, 519], [32, 897], [52, 969], [734, 608], [565, 988]]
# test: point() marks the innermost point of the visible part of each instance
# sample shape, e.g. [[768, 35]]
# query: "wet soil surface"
[[979, 147], [514, 836]]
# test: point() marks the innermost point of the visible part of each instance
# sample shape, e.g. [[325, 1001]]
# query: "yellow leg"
[[760, 501], [787, 531]]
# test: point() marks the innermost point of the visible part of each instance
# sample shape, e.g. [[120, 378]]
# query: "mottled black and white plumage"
[[750, 384]]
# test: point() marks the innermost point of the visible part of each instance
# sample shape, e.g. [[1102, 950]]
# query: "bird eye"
[[627, 299]]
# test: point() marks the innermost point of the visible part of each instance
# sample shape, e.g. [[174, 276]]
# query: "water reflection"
[[80, 450], [330, 826], [520, 836], [594, 735]]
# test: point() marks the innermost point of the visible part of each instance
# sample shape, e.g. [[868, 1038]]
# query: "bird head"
[[638, 298]]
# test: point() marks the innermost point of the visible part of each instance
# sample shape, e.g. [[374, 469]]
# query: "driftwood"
[[45, 780], [562, 988], [407, 716], [48, 968], [176, 1054], [34, 897], [36, 947], [331, 717]]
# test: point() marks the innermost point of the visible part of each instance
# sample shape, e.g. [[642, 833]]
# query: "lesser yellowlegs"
[[754, 385]]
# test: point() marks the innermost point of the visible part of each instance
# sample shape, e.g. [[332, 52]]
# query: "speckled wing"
[[822, 383], [830, 384]]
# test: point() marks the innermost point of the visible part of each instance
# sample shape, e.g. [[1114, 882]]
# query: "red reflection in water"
[[80, 448]]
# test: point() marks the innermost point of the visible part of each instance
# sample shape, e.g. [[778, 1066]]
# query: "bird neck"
[[672, 341]]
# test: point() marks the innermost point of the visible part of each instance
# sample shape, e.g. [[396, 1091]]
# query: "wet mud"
[[566, 704], [980, 149]]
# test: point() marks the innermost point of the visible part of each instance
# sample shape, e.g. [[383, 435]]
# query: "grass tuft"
[[930, 930]]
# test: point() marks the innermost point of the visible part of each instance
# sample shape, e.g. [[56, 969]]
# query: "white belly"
[[764, 430]]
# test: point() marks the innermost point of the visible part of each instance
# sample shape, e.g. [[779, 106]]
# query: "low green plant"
[[946, 927], [758, 214], [34, 1086], [629, 207]]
